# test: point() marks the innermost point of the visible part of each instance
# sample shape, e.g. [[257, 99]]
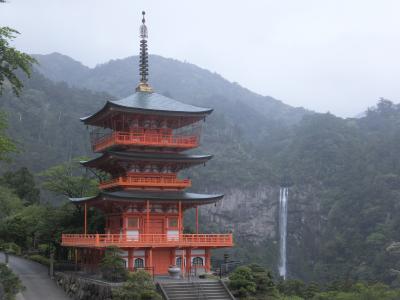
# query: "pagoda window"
[[139, 263], [133, 222], [172, 222], [179, 261], [198, 261]]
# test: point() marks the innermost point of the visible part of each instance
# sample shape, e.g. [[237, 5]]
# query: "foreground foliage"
[[12, 60], [9, 283], [246, 285], [112, 265], [139, 286]]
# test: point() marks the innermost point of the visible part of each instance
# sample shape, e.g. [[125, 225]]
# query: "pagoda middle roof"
[[109, 160], [154, 196], [150, 103]]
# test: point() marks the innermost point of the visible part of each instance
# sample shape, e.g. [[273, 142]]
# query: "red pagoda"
[[140, 140]]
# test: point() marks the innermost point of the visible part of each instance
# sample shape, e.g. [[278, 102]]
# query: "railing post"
[[97, 239]]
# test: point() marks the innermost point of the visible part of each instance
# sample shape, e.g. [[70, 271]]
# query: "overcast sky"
[[337, 56]]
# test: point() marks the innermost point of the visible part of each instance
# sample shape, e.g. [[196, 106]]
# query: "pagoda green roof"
[[150, 103], [109, 160], [155, 196]]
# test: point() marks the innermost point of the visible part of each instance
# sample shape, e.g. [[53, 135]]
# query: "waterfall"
[[283, 199]]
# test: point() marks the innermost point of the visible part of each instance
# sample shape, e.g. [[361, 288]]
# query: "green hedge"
[[40, 259], [11, 248]]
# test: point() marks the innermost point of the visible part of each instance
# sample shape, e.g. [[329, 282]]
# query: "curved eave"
[[140, 156], [159, 108], [159, 197]]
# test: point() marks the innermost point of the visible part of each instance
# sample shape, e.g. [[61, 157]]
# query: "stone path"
[[34, 277]]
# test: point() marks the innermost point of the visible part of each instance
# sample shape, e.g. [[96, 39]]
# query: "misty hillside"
[[183, 81]]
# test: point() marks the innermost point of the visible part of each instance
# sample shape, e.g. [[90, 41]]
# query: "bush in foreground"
[[139, 286], [9, 282], [112, 265]]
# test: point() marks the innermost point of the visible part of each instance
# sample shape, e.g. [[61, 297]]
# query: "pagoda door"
[[156, 226]]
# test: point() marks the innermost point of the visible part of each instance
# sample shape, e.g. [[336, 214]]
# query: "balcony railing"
[[147, 240], [143, 138], [144, 180]]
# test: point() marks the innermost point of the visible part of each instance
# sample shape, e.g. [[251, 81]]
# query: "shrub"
[[139, 286], [9, 282], [112, 266], [44, 249], [40, 259], [242, 282], [11, 248]]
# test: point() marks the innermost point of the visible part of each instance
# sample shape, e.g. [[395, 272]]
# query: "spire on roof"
[[143, 59]]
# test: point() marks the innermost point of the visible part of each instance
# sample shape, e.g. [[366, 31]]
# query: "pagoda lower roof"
[[148, 103], [153, 196], [117, 161]]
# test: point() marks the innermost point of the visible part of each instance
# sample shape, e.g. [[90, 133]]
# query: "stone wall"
[[80, 288]]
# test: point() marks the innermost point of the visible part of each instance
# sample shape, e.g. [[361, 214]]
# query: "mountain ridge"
[[167, 76]]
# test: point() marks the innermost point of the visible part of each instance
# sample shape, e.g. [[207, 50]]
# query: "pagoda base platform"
[[156, 261]]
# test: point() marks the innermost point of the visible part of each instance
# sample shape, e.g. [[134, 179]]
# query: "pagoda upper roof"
[[116, 161], [149, 103], [154, 196]]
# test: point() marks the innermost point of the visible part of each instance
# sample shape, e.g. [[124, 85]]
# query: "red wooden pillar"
[[151, 261], [207, 262], [188, 261], [197, 219], [172, 257], [130, 259], [147, 217], [183, 262]]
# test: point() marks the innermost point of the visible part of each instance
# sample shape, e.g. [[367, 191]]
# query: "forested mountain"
[[342, 174], [183, 81]]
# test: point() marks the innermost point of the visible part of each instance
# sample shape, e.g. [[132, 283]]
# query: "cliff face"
[[252, 215]]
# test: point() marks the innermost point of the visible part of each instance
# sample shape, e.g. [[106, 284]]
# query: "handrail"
[[160, 240], [147, 179], [163, 292], [144, 138]]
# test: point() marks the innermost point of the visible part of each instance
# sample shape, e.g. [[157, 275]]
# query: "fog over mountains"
[[343, 175]]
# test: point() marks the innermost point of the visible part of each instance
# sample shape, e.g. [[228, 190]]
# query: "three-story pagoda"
[[141, 140]]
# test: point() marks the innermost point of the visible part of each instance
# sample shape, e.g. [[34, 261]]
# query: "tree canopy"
[[11, 61]]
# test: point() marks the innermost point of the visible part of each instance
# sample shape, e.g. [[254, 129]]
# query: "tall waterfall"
[[283, 199]]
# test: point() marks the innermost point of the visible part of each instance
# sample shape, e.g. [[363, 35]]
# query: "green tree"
[[139, 286], [7, 146], [10, 203], [242, 282], [23, 227], [264, 280], [112, 265], [12, 60], [23, 183], [70, 180]]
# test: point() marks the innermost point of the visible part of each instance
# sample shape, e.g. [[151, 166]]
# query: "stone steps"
[[212, 290]]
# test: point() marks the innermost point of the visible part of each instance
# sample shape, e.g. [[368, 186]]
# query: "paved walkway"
[[34, 277]]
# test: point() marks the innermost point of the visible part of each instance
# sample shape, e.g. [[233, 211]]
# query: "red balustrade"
[[143, 138], [143, 180], [147, 240]]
